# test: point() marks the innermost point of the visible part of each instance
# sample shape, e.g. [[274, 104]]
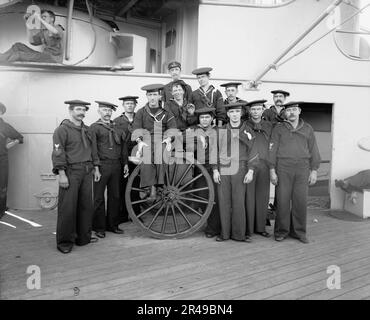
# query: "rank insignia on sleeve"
[[57, 150]]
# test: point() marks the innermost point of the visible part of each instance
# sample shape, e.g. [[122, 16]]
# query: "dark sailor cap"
[[231, 84], [174, 64], [205, 70], [293, 104], [256, 103], [285, 93], [205, 110], [129, 98], [75, 103], [153, 87], [237, 105], [104, 104]]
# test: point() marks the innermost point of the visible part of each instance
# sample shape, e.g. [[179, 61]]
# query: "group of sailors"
[[274, 145]]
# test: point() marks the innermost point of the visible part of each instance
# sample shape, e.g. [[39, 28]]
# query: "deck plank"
[[134, 266]]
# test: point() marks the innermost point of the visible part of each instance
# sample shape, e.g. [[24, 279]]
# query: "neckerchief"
[[279, 116], [156, 116], [82, 128], [112, 132], [128, 120], [228, 102], [289, 126], [209, 102]]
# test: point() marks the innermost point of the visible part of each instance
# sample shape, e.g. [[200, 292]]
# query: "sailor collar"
[[123, 115], [157, 114], [211, 87], [242, 131], [289, 126], [212, 126]]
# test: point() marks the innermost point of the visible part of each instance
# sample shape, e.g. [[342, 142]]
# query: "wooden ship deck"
[[135, 266]]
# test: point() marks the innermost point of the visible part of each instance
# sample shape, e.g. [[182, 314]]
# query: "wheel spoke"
[[156, 215], [174, 174], [199, 197], [194, 200], [191, 181], [183, 176], [165, 219], [148, 209], [140, 201], [138, 189], [190, 208], [194, 190], [174, 218], [183, 215]]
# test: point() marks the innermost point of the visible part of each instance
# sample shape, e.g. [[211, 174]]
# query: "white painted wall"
[[240, 42]]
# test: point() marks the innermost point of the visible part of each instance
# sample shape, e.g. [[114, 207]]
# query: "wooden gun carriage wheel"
[[182, 205]]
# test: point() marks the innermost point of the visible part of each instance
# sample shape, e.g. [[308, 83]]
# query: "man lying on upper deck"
[[50, 36]]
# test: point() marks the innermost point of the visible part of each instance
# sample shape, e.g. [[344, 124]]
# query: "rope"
[[95, 37]]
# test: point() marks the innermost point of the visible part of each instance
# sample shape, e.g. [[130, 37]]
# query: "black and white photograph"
[[199, 152]]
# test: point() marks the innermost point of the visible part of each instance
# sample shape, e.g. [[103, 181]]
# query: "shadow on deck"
[[133, 266]]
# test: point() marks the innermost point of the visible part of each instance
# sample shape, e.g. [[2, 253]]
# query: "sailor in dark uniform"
[[9, 137], [180, 107], [258, 191], [74, 163], [231, 91], [149, 131], [294, 159], [174, 69], [238, 158], [205, 138], [125, 122], [126, 119], [276, 112], [208, 96], [109, 144]]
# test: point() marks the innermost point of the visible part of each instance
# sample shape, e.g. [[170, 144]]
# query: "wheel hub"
[[170, 194]]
